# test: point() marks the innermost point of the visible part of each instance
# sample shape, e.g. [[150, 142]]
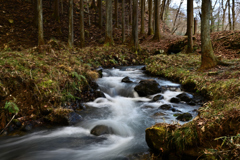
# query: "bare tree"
[[82, 37], [157, 21], [108, 32], [162, 9], [56, 10], [142, 16], [233, 15], [40, 23], [70, 26], [116, 12], [150, 13], [100, 22], [224, 7], [208, 59], [190, 25], [123, 21], [135, 24], [176, 17], [229, 15]]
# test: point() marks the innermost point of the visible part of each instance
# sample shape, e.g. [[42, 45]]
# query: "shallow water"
[[122, 110]]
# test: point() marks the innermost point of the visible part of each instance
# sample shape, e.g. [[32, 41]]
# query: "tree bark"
[[35, 9], [116, 12], [190, 25], [208, 60], [135, 24], [93, 4], [224, 14], [123, 21], [130, 11], [108, 32], [56, 10], [212, 19], [162, 9], [82, 36], [100, 22], [70, 26], [142, 16], [150, 10], [195, 26], [233, 15], [40, 23], [174, 24], [157, 21], [229, 15]]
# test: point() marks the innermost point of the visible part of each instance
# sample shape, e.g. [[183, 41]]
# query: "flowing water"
[[127, 114]]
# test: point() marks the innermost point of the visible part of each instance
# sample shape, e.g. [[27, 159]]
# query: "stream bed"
[[122, 110]]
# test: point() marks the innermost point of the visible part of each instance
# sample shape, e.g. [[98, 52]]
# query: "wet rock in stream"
[[184, 117], [101, 130], [147, 87], [127, 80], [175, 100], [166, 107], [157, 98], [186, 97]]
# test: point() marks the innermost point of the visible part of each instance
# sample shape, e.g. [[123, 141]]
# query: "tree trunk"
[[82, 37], [208, 59], [89, 16], [166, 12], [218, 23], [229, 15], [142, 16], [123, 21], [108, 34], [150, 10], [135, 24], [116, 12], [157, 21], [162, 9], [40, 23], [56, 10], [35, 9], [195, 26], [190, 25], [70, 26], [224, 14], [212, 19], [233, 14], [174, 24], [100, 22], [93, 4], [130, 11]]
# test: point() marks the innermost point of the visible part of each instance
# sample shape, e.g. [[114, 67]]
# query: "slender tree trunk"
[[233, 15], [157, 21], [100, 22], [62, 6], [89, 16], [218, 23], [108, 32], [142, 16], [224, 14], [229, 15], [166, 12], [40, 23], [212, 19], [135, 24], [190, 25], [195, 26], [150, 10], [70, 26], [116, 12], [162, 9], [56, 10], [35, 9], [208, 59], [130, 11], [93, 4], [123, 21], [174, 24], [82, 37]]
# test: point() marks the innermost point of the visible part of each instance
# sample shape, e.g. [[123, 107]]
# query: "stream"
[[127, 114]]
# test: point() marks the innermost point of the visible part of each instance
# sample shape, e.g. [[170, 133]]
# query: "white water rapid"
[[122, 110]]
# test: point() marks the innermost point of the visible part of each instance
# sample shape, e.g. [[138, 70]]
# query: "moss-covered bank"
[[214, 133], [39, 83]]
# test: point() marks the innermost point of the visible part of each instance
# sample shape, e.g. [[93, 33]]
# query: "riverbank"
[[55, 81], [214, 133]]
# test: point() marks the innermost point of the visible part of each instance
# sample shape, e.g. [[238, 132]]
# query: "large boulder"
[[156, 136], [101, 130], [64, 117], [175, 100], [166, 107], [186, 97], [157, 98], [184, 117], [127, 80], [147, 87]]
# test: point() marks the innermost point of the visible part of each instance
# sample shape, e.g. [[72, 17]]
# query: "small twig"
[[8, 124]]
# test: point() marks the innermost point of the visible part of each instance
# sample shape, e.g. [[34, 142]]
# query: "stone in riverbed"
[[166, 107], [157, 98], [184, 117], [186, 97], [147, 87], [101, 130], [127, 80], [175, 100]]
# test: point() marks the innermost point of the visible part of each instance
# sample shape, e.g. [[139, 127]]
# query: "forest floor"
[[37, 82]]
